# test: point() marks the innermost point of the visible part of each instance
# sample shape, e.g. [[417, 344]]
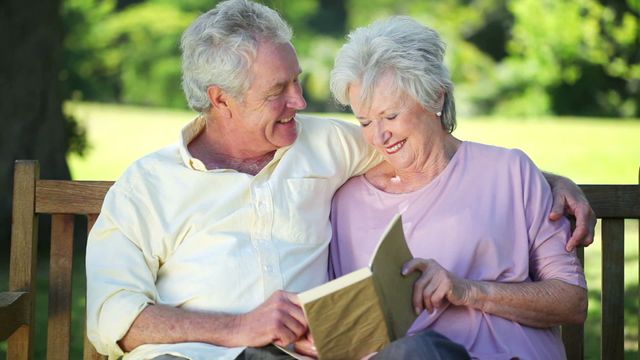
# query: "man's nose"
[[296, 100]]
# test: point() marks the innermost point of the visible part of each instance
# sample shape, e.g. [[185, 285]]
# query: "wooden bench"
[[63, 200]]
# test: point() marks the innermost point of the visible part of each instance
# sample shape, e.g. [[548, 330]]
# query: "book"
[[363, 311]]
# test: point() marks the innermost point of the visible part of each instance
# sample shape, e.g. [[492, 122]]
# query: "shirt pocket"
[[308, 204]]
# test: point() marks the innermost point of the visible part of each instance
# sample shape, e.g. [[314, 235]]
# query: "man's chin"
[[286, 134]]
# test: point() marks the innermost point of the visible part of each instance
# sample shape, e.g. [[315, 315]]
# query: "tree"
[[33, 125]]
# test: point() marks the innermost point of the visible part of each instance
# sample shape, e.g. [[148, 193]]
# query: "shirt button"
[[268, 268]]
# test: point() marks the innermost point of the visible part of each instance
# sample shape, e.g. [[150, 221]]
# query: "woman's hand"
[[436, 287], [540, 304]]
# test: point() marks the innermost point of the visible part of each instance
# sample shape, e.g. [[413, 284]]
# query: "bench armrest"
[[13, 312]]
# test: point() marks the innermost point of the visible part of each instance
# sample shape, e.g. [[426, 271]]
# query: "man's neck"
[[215, 154], [251, 166]]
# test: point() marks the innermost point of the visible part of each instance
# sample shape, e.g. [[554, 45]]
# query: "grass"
[[587, 150]]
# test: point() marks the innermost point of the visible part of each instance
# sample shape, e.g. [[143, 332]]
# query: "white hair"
[[220, 45], [411, 52]]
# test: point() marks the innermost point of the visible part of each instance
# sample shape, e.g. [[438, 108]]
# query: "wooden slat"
[[573, 339], [70, 197], [24, 246], [60, 295], [14, 309], [612, 289], [614, 201], [90, 352], [573, 335]]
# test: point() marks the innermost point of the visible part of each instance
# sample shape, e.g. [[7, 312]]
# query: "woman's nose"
[[382, 135]]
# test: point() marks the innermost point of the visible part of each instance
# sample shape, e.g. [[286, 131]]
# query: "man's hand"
[[305, 346], [278, 320], [569, 199], [436, 287]]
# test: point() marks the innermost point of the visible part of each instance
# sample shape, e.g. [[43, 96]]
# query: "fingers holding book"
[[278, 320], [436, 287]]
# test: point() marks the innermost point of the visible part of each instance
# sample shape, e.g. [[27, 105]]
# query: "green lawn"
[[587, 150]]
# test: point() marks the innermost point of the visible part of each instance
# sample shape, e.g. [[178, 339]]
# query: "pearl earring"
[[439, 114]]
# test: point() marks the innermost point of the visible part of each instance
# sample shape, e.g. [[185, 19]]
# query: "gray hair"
[[411, 52], [220, 45]]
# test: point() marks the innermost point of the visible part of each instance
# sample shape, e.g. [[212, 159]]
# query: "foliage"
[[510, 57], [86, 72], [554, 43]]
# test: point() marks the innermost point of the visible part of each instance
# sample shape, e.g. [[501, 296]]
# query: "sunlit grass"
[[585, 149]]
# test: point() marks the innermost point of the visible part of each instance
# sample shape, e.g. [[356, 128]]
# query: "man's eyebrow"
[[280, 84]]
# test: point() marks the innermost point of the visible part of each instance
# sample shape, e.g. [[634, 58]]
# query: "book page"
[[394, 289], [334, 285], [289, 350]]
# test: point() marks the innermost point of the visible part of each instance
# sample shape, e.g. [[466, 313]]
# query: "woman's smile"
[[395, 147]]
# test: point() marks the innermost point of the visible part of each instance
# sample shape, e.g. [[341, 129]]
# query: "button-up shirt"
[[172, 232]]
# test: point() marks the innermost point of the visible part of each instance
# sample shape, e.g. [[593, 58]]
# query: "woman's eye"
[[391, 117], [365, 124]]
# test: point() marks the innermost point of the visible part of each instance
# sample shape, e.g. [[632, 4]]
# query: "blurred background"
[[88, 86]]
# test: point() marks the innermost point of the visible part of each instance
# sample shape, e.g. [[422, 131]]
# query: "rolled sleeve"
[[548, 258], [120, 276]]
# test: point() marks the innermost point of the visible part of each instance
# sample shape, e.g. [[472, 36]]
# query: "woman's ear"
[[441, 99]]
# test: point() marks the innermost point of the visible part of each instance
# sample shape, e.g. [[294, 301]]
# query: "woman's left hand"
[[436, 287]]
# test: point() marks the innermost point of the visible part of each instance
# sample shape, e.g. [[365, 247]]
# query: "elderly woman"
[[495, 275]]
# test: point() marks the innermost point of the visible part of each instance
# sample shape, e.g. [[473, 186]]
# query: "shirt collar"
[[187, 134], [192, 129]]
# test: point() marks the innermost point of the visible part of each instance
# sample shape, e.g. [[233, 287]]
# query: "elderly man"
[[201, 245]]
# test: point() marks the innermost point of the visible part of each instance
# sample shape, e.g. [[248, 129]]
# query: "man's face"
[[263, 120]]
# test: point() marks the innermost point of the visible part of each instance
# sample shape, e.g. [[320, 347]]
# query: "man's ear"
[[219, 99]]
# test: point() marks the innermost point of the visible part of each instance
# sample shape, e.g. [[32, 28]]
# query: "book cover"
[[361, 312]]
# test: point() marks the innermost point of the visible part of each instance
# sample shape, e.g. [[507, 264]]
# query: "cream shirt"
[[172, 232]]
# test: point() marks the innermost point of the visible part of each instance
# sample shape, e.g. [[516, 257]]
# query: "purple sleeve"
[[548, 258], [335, 270]]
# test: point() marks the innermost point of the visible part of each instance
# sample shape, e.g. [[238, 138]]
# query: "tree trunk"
[[31, 119]]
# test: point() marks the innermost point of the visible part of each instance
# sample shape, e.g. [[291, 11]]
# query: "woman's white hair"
[[411, 52], [220, 45]]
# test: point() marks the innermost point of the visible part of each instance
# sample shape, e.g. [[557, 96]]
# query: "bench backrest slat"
[[573, 335], [89, 352], [60, 271], [614, 201], [70, 197], [612, 289], [24, 246]]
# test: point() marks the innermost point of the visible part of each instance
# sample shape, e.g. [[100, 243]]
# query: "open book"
[[361, 312]]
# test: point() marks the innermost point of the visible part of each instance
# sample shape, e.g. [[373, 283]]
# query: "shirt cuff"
[[116, 317]]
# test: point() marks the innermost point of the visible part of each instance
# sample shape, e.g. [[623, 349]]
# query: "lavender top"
[[485, 217]]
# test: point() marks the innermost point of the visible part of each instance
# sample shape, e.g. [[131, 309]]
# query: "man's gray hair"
[[411, 52], [220, 46]]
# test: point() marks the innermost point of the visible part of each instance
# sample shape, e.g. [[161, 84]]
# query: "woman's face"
[[398, 126]]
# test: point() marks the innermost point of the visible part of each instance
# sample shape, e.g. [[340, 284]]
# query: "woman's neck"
[[389, 179]]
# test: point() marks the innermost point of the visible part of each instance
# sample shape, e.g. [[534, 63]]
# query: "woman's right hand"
[[436, 287]]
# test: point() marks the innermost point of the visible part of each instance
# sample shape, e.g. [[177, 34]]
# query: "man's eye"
[[391, 117], [365, 123]]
